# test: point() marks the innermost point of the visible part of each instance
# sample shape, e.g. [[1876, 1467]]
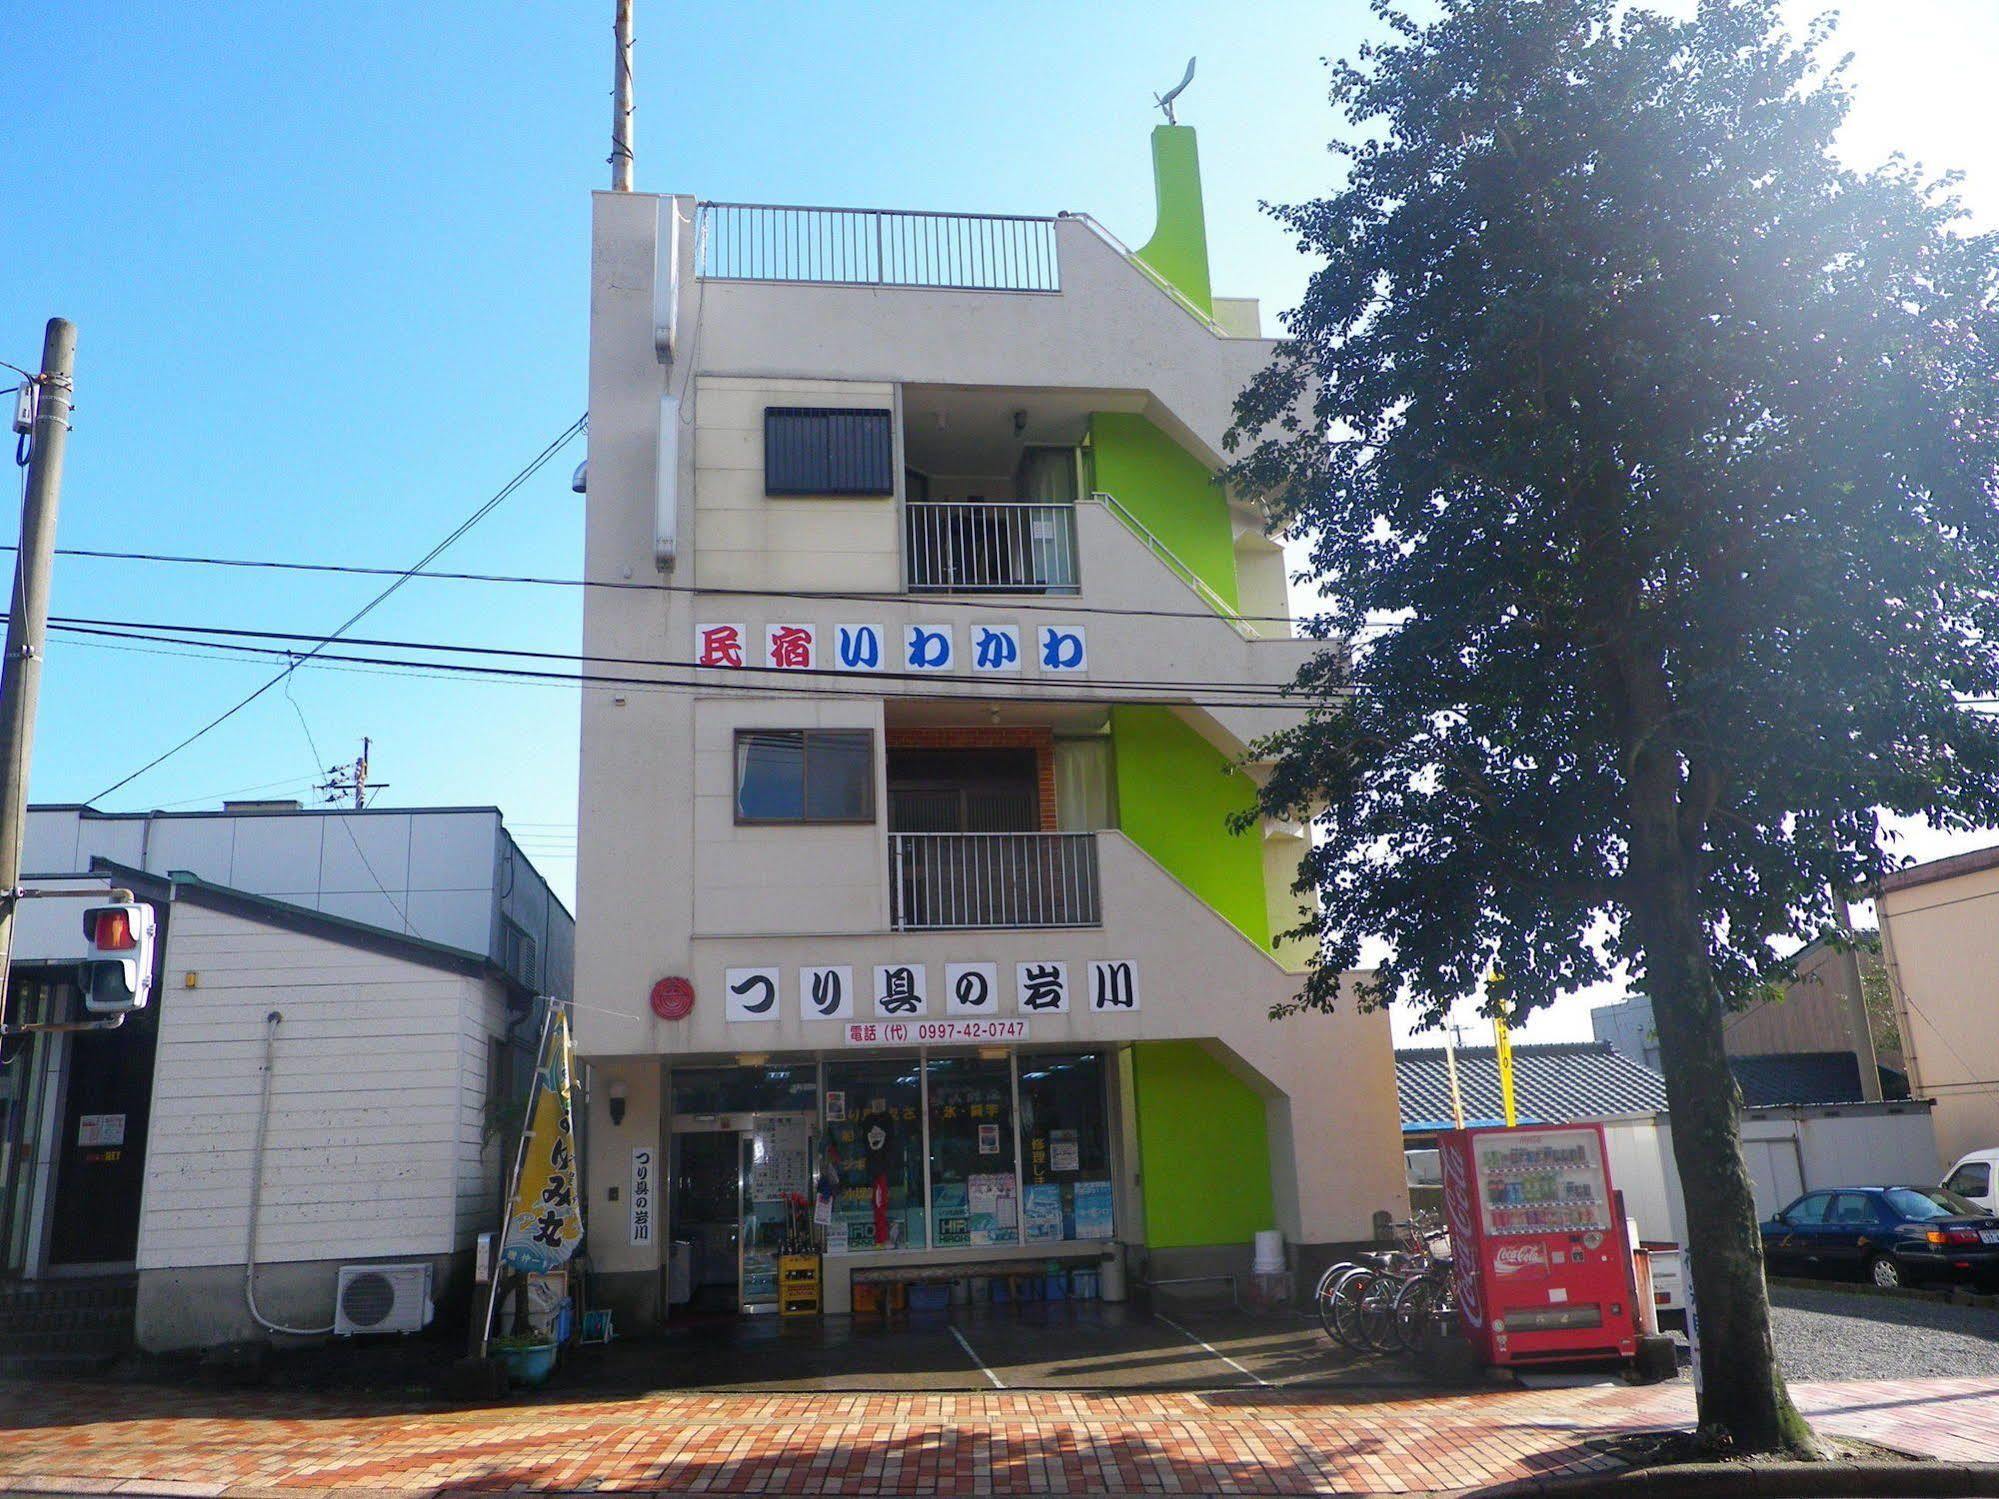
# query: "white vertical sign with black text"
[[642, 1168]]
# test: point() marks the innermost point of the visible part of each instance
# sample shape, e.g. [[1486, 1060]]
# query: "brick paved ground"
[[101, 1438]]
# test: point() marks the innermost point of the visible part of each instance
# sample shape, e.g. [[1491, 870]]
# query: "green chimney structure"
[[1178, 251]]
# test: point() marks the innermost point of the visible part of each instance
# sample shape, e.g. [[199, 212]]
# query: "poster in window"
[[836, 1106], [954, 1220], [1065, 1151], [989, 1139], [1041, 1212], [1093, 1210]]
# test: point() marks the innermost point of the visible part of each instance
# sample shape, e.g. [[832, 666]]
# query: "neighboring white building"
[[127, 1156], [921, 491]]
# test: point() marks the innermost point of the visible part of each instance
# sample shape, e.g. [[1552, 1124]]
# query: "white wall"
[[372, 1096], [1788, 1152]]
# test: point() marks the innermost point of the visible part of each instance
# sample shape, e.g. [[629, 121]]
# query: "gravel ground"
[[1850, 1335]]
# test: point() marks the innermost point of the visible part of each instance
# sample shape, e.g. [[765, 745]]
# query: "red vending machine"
[[1538, 1249]]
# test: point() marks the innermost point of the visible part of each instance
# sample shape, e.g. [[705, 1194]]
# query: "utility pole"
[[621, 102], [28, 614], [345, 780]]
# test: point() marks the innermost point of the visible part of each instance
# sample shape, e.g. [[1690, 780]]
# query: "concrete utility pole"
[[621, 102], [28, 613]]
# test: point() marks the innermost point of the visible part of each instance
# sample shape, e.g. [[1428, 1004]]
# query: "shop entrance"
[[742, 1190]]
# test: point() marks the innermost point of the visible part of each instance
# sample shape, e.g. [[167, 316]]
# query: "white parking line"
[[1217, 1352], [972, 1354]]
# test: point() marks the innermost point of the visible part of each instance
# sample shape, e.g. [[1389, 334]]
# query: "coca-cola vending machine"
[[1539, 1253]]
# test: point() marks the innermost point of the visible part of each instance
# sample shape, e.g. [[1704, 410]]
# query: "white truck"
[[1975, 1178]]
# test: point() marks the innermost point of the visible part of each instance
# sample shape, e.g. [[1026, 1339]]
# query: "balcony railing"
[[877, 247], [990, 546], [941, 881]]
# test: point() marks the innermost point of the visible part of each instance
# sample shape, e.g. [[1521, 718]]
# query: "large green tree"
[[1648, 459]]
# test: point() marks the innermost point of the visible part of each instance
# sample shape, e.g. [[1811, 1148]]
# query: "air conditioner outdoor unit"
[[381, 1298]]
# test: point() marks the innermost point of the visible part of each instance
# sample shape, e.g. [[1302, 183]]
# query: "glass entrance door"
[[776, 1193]]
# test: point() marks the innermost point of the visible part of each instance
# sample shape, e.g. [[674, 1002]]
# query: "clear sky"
[[329, 268]]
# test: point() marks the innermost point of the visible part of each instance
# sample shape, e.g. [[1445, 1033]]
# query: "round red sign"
[[672, 999]]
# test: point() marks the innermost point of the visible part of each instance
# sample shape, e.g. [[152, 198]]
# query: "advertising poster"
[[1041, 1213], [1093, 1210]]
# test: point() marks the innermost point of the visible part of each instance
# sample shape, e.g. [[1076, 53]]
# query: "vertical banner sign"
[[1502, 1055], [545, 1215], [641, 1194]]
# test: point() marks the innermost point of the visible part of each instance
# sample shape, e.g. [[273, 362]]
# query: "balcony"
[[990, 546], [958, 881]]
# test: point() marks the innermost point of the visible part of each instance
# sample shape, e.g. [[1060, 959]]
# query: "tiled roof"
[[1552, 1084], [1797, 1077]]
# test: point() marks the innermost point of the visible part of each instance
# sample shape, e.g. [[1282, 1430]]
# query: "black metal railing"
[[877, 247]]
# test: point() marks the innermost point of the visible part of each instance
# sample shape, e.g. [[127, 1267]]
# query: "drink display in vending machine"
[[1539, 1252]]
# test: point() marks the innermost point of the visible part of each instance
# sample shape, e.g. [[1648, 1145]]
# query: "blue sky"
[[329, 268]]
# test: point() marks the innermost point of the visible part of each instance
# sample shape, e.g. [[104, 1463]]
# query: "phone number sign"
[[935, 1032]]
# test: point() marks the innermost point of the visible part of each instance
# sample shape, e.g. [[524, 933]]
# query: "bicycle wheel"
[[1323, 1293], [1377, 1314], [1347, 1297], [1413, 1303]]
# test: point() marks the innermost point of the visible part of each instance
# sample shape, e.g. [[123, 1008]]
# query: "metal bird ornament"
[[1165, 100]]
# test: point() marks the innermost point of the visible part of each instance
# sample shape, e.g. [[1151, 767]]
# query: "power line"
[[1166, 694], [534, 466], [1007, 601], [169, 630]]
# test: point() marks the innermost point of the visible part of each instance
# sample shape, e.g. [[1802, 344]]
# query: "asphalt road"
[[1851, 1335]]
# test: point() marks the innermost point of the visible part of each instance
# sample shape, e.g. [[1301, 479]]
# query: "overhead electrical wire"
[[534, 466], [1006, 601], [151, 629], [1132, 693]]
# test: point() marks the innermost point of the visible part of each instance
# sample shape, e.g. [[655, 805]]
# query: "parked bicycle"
[[1391, 1300]]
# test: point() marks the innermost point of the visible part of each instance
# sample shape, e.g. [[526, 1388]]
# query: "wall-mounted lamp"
[[616, 1094]]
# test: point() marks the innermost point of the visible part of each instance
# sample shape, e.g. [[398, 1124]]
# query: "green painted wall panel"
[[1170, 491], [1203, 1146], [1178, 249], [1175, 794]]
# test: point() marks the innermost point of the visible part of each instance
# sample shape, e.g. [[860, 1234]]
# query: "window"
[[1972, 1179], [973, 1190], [1922, 1204], [1807, 1211], [824, 450], [1852, 1210], [517, 953], [805, 775], [874, 1150], [746, 1090], [1065, 1148]]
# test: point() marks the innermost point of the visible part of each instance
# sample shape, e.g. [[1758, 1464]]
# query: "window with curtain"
[[1085, 789]]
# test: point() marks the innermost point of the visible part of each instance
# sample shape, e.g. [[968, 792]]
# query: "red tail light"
[[112, 930]]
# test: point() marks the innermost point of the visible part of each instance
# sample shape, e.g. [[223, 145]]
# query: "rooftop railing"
[[877, 247]]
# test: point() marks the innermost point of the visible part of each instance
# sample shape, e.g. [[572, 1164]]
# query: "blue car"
[[1893, 1236]]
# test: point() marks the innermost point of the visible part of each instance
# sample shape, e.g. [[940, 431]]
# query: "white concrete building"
[[934, 648], [402, 950]]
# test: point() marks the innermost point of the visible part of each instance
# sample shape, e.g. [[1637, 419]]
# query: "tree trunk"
[[1742, 1389]]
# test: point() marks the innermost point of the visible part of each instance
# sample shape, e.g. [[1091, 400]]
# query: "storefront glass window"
[[973, 1190], [746, 1090], [1065, 1148], [874, 1155]]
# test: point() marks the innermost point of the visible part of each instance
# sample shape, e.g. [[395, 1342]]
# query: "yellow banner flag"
[[1502, 1055], [545, 1214]]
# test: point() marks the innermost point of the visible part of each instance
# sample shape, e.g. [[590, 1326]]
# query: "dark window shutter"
[[827, 450]]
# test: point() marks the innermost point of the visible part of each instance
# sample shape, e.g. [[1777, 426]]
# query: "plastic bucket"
[[1055, 1286], [1083, 1285], [1025, 1287], [868, 1299], [929, 1296], [978, 1288]]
